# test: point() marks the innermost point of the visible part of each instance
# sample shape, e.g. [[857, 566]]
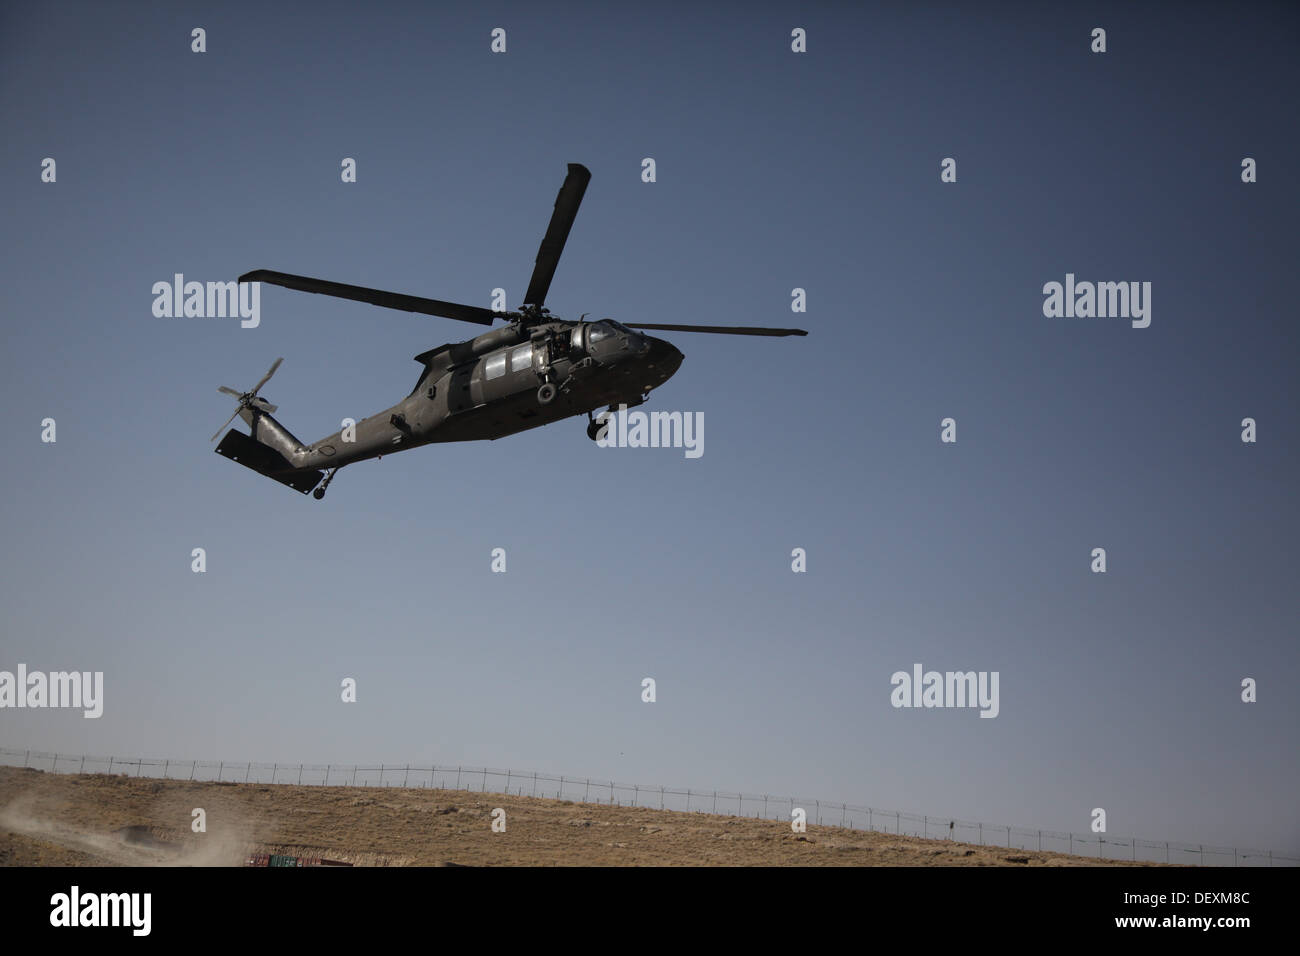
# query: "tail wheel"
[[319, 493], [546, 394]]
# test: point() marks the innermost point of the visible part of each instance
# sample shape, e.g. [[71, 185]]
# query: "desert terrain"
[[49, 819]]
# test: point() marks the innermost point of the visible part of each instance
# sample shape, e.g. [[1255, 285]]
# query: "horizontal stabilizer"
[[266, 461]]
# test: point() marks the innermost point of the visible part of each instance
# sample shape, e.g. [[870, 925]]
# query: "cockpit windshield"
[[608, 329], [599, 331]]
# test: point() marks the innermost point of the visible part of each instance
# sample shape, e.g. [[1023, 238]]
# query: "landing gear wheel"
[[546, 394], [319, 493]]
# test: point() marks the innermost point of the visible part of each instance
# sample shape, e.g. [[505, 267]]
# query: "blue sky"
[[775, 170]]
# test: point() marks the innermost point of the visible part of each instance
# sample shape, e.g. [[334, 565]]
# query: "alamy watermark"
[[211, 300], [923, 688], [635, 429], [77, 689], [1103, 300], [75, 908]]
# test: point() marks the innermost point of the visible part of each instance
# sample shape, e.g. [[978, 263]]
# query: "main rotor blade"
[[557, 233], [266, 378], [228, 421], [225, 390], [721, 329], [389, 300]]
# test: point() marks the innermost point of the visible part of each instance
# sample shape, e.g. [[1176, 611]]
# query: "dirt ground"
[[49, 819]]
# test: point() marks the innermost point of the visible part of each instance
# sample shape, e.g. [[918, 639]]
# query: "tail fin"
[[269, 448], [266, 460]]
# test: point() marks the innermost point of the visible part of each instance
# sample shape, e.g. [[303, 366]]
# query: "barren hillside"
[[72, 820]]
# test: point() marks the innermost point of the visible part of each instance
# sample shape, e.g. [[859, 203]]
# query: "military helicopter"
[[535, 370]]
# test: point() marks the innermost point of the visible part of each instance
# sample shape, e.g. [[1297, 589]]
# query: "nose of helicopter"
[[662, 360]]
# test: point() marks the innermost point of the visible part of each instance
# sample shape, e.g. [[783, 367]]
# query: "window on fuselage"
[[521, 358], [495, 366]]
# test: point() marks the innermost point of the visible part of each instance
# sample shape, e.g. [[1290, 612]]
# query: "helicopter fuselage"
[[505, 381]]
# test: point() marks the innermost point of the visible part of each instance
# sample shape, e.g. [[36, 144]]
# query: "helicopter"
[[533, 371]]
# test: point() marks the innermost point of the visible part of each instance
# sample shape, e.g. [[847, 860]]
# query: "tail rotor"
[[249, 399]]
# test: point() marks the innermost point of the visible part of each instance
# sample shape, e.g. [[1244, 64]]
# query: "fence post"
[[458, 778], [110, 763], [764, 806], [194, 765], [688, 800], [507, 781], [55, 766], [328, 766], [248, 770], [29, 757], [661, 806], [485, 779], [166, 764], [981, 833], [1071, 843], [611, 793], [300, 775], [715, 801], [1202, 863], [636, 792], [1040, 841], [1008, 837], [926, 824], [560, 795], [534, 783], [869, 824], [354, 775], [896, 823], [83, 763], [819, 812]]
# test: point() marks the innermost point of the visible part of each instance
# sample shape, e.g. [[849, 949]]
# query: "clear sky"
[[775, 170]]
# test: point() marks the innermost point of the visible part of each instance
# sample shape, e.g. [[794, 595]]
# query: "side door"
[[496, 381]]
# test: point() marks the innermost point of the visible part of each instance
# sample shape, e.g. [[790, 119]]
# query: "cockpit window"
[[599, 331]]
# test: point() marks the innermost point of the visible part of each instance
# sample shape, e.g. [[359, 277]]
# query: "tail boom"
[[271, 450]]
